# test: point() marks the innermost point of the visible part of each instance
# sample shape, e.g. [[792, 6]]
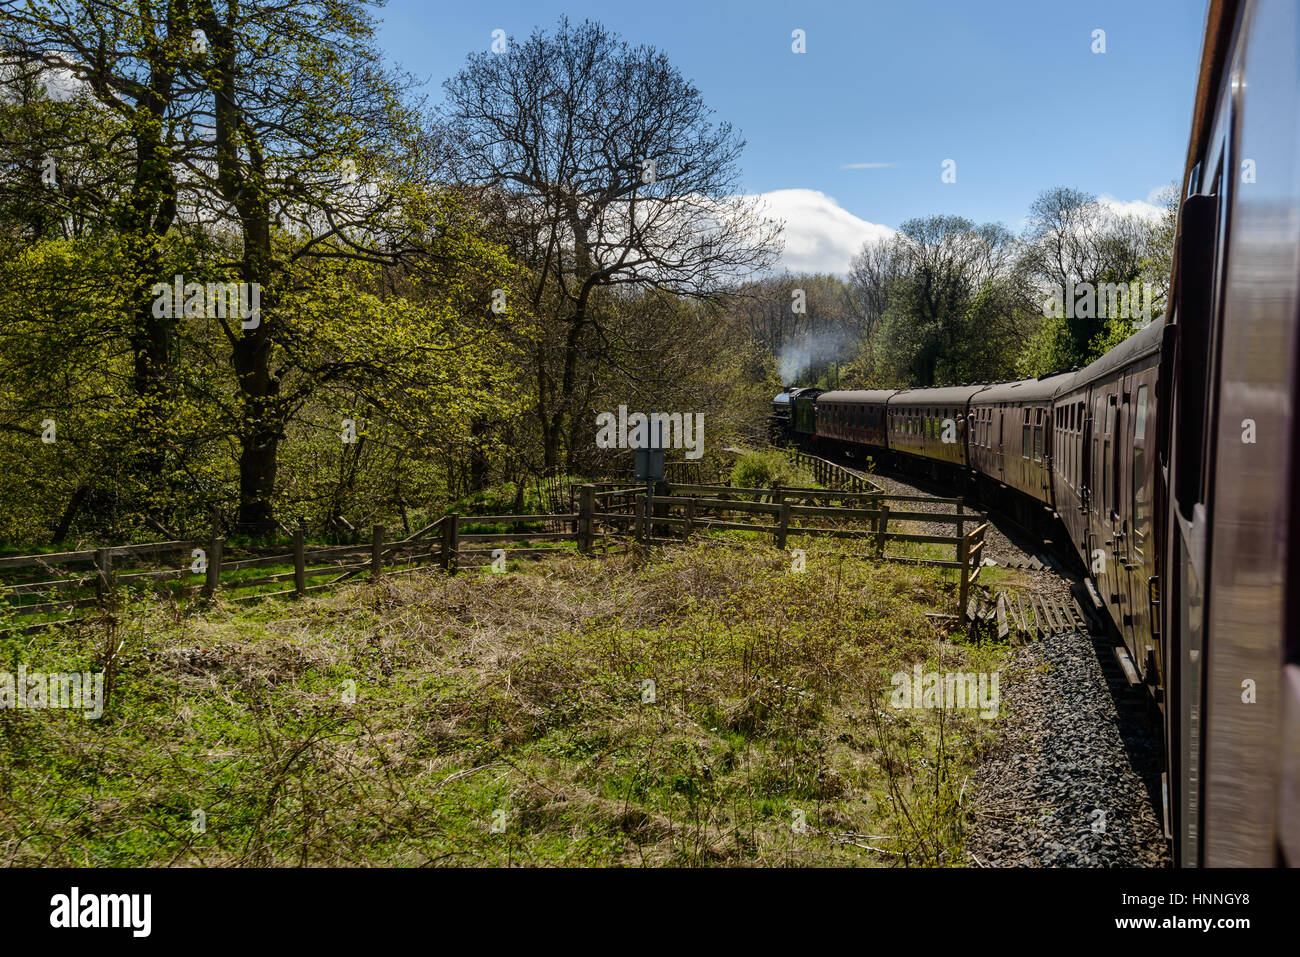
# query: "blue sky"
[[1010, 91]]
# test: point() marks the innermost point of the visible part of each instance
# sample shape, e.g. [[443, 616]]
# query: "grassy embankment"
[[509, 719]]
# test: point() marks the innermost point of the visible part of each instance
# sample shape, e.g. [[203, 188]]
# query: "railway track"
[[1075, 778]]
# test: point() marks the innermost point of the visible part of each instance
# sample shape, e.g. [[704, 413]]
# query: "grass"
[[711, 707]]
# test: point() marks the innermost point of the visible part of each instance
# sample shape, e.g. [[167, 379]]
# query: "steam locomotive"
[[1170, 464]]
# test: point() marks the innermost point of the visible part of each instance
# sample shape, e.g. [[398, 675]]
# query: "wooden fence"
[[832, 474], [970, 556], [680, 510], [607, 513], [51, 584]]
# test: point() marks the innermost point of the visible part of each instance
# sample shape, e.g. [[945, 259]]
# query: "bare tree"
[[609, 172]]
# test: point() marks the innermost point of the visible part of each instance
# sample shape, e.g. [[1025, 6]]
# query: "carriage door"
[[1103, 468], [1001, 414], [1121, 505]]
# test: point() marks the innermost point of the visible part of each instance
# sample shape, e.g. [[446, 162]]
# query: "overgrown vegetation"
[[769, 468], [711, 708]]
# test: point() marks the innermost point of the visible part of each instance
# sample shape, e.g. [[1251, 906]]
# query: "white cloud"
[[1151, 208], [820, 235]]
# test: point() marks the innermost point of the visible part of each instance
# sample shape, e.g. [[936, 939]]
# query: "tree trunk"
[[70, 513]]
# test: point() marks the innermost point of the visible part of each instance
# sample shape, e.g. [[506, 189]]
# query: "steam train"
[[1172, 463]]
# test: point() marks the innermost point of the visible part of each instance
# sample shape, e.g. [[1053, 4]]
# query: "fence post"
[[299, 563], [690, 519], [783, 525], [661, 508], [103, 576], [882, 530], [377, 553], [961, 561], [586, 506], [450, 542], [212, 585], [963, 585]]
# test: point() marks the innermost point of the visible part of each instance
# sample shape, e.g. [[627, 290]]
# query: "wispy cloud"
[[870, 165]]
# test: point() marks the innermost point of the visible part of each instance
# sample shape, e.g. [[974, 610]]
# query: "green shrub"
[[768, 469]]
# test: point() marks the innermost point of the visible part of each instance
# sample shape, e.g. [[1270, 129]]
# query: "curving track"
[[1075, 781]]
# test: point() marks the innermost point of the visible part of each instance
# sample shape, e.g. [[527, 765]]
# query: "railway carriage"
[[1104, 427], [1230, 578], [931, 423], [1011, 441], [851, 419]]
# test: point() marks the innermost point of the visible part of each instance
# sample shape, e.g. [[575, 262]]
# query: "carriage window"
[[1024, 437]]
